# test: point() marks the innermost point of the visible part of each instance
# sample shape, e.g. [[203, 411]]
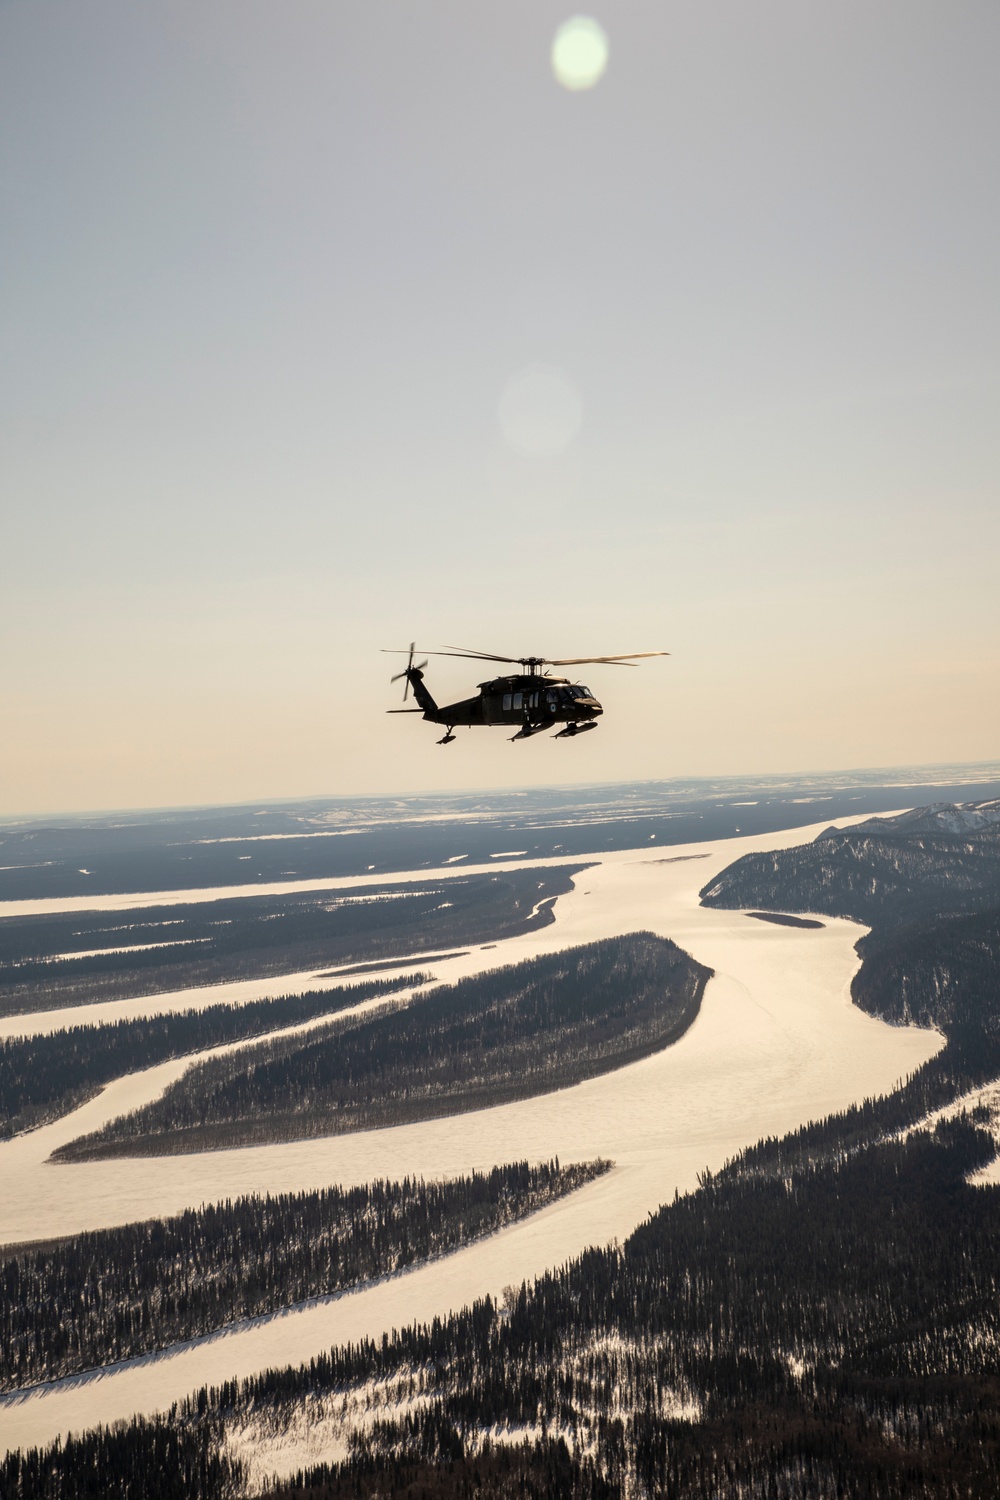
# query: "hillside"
[[930, 862]]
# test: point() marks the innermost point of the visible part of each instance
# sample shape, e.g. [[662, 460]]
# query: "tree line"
[[505, 1034], [254, 937], [45, 1076], [112, 1294], [831, 1333]]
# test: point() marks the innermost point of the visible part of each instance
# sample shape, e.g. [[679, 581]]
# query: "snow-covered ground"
[[984, 1099], [777, 1043], [231, 992], [138, 900]]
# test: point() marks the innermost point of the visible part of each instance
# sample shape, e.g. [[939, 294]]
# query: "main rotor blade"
[[628, 660], [478, 655]]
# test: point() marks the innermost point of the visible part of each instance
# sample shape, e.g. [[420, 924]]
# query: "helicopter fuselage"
[[525, 702]]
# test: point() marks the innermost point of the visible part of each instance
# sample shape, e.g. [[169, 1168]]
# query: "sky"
[[331, 324]]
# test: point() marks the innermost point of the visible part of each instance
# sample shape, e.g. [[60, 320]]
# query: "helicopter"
[[530, 700]]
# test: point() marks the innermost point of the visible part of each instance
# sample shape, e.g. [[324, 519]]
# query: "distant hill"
[[320, 838], [933, 861], [938, 818]]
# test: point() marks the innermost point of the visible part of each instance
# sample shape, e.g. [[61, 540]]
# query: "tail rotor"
[[408, 669]]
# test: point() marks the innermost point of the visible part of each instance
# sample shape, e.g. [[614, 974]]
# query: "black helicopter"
[[530, 700]]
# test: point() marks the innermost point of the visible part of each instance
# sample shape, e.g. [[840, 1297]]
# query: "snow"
[[270, 838], [313, 1434], [138, 900], [54, 958], [777, 1043], [127, 1093], [985, 1097], [232, 992], [315, 1430], [946, 817]]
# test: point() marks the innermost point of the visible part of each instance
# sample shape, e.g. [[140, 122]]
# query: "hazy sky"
[[296, 300]]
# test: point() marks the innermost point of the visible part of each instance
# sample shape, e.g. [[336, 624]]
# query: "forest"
[[506, 1034], [828, 1332], [45, 1076], [52, 961], [886, 872], [944, 972], [116, 1293]]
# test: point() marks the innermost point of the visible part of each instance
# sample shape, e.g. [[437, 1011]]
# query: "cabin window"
[[506, 703], [550, 695], [517, 702]]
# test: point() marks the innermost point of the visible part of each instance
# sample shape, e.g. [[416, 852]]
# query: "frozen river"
[[777, 1043]]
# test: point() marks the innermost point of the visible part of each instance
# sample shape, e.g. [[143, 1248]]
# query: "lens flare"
[[540, 411], [579, 53]]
